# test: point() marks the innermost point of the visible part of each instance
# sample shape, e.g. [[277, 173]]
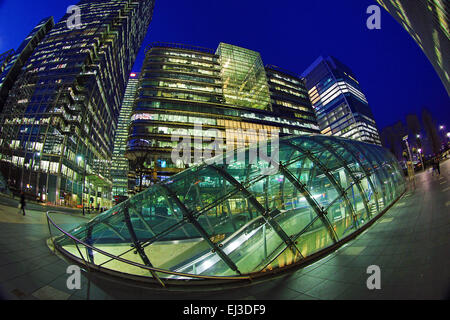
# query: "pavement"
[[410, 244]]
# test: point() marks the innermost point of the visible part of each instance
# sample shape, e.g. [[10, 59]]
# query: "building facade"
[[243, 76], [427, 21], [120, 165], [289, 96], [341, 107], [12, 66], [188, 94], [58, 124]]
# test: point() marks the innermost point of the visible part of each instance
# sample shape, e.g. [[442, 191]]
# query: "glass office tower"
[[60, 118], [12, 66], [340, 106], [244, 77], [183, 92], [427, 21], [119, 165], [289, 97]]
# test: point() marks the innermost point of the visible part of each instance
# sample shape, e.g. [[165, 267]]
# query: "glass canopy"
[[232, 219]]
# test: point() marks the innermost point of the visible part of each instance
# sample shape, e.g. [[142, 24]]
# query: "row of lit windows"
[[181, 85], [183, 61], [223, 112], [183, 54], [291, 105]]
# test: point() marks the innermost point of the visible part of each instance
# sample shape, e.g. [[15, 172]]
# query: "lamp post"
[[38, 154], [443, 135], [80, 158], [419, 145], [405, 138], [421, 159]]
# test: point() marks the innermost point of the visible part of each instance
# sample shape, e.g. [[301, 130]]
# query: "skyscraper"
[[59, 121], [120, 165], [206, 94], [340, 106], [13, 65], [427, 21]]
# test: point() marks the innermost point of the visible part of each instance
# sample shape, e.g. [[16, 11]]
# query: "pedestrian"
[[438, 169], [22, 202], [433, 167]]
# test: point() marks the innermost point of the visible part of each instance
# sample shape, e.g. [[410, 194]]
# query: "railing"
[[152, 270]]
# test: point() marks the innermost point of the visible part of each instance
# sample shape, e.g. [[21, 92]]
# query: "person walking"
[[437, 165], [22, 202]]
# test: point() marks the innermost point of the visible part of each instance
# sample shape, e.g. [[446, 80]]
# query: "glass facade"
[[10, 70], [227, 220], [120, 165], [58, 124], [340, 106], [244, 77], [427, 22], [289, 96], [183, 92]]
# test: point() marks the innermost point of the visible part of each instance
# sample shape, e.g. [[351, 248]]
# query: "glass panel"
[[355, 198], [253, 246], [241, 232], [203, 186], [317, 184], [314, 239], [341, 219]]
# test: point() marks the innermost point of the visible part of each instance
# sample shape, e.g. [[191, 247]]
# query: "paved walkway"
[[410, 243]]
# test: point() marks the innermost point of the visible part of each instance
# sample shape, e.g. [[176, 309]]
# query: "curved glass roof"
[[235, 219]]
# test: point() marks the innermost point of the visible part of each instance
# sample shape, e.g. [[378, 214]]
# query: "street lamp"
[[80, 158], [421, 159], [405, 138]]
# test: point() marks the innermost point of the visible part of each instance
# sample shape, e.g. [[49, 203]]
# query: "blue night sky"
[[393, 72]]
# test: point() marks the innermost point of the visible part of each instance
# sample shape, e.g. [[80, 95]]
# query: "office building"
[[289, 97], [120, 165], [341, 107], [12, 64], [60, 118], [427, 21], [208, 95]]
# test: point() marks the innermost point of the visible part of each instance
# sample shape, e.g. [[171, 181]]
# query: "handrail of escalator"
[[138, 264]]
